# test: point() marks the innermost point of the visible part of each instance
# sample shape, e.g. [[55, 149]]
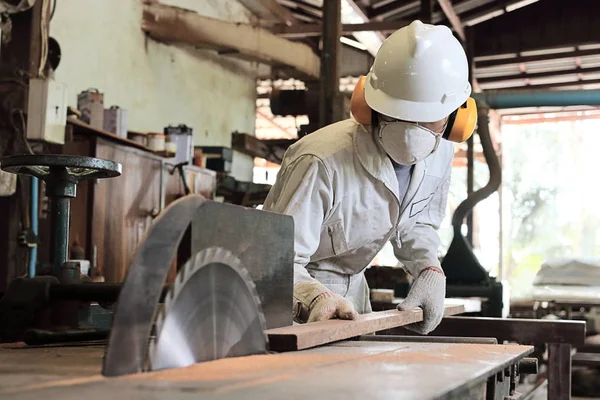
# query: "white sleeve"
[[303, 190]]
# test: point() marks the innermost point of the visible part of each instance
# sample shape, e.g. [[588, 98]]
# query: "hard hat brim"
[[410, 110]]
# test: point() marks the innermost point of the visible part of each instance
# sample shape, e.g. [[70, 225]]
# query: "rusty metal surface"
[[346, 370]]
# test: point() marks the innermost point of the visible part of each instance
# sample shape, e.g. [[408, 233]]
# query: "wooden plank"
[[586, 359], [305, 30], [270, 150], [177, 25], [108, 135], [446, 6], [299, 337]]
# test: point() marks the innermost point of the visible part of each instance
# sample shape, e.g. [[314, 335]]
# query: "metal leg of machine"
[[61, 174], [559, 371], [27, 301]]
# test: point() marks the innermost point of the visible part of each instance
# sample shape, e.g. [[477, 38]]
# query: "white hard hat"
[[420, 74]]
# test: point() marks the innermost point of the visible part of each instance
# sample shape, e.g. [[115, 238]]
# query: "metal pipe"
[[34, 224], [460, 263], [538, 98], [493, 164], [92, 291], [470, 184], [60, 211]]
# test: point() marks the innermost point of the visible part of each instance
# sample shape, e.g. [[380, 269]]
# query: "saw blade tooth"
[[151, 352], [178, 343], [183, 273], [160, 319], [191, 265], [169, 298]]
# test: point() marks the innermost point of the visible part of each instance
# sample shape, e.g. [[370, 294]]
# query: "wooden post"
[[22, 56], [559, 371], [426, 11], [330, 102]]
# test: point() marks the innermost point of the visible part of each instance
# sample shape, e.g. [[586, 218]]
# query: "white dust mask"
[[405, 142]]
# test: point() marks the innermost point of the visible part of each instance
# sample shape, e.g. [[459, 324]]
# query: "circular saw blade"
[[212, 312]]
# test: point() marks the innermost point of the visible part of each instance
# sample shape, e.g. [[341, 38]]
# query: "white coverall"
[[340, 187]]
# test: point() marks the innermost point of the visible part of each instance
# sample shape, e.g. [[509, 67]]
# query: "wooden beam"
[[269, 10], [395, 9], [545, 74], [270, 150], [177, 25], [330, 102], [533, 86], [479, 14], [305, 336], [426, 11], [304, 7], [305, 30], [514, 59], [446, 7], [361, 11]]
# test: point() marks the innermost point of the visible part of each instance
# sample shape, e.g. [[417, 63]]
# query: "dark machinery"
[[56, 308], [27, 302]]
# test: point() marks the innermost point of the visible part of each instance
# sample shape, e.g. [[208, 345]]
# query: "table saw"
[[214, 334], [342, 370]]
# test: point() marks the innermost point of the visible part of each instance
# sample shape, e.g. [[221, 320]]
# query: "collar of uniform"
[[374, 159]]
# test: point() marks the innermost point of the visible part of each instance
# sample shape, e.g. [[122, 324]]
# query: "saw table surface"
[[344, 370]]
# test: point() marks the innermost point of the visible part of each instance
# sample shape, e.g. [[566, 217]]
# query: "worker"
[[380, 176]]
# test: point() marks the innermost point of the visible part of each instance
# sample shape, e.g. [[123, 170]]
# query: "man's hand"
[[331, 305], [427, 292], [314, 302]]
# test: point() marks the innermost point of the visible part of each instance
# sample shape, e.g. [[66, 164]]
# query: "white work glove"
[[428, 292], [314, 302]]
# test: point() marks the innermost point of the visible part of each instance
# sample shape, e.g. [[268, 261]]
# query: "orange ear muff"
[[358, 105], [461, 123]]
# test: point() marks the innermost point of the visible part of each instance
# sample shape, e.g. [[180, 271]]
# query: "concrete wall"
[[104, 48]]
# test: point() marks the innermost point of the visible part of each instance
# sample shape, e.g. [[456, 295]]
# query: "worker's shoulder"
[[325, 143]]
